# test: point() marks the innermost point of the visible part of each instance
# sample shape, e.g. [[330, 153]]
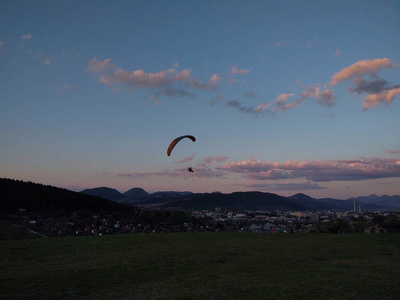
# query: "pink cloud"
[[385, 96], [280, 103], [154, 101], [283, 186], [139, 78], [98, 66], [186, 159], [393, 151], [234, 70], [360, 68], [316, 171], [110, 74], [324, 97]]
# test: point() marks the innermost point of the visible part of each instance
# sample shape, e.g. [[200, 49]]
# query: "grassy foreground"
[[202, 266]]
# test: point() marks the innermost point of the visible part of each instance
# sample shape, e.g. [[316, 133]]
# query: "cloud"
[[217, 100], [200, 170], [280, 103], [316, 171], [171, 92], [40, 57], [234, 71], [323, 95], [186, 159], [154, 101], [368, 86], [238, 105], [250, 94], [284, 186], [378, 91], [289, 175], [97, 66], [138, 78], [385, 96], [64, 87], [393, 151], [216, 158], [110, 74], [361, 68], [25, 37]]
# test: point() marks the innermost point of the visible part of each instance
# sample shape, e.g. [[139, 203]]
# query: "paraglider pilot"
[[190, 170]]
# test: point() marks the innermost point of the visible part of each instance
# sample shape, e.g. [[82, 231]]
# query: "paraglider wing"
[[176, 141]]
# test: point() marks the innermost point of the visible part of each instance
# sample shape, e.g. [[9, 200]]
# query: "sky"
[[283, 97]]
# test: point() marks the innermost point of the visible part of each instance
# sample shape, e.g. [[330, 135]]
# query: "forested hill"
[[16, 194]]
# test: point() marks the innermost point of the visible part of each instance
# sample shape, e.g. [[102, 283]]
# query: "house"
[[374, 228], [255, 228], [269, 228]]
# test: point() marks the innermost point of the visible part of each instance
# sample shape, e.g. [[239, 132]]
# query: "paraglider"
[[175, 141]]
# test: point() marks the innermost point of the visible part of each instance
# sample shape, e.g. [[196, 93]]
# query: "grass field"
[[202, 266]]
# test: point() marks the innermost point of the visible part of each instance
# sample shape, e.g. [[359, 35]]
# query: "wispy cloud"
[[98, 66], [250, 94], [217, 158], [217, 99], [323, 96], [111, 74], [172, 92], [186, 159], [235, 70], [282, 186], [64, 87], [280, 103], [316, 171], [396, 151], [238, 105], [200, 170], [25, 37]]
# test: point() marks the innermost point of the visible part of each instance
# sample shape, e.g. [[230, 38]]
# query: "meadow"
[[202, 266]]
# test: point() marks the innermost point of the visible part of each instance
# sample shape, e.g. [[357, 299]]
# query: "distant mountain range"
[[16, 194], [243, 200]]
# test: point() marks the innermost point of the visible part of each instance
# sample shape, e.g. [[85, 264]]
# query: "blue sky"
[[282, 96]]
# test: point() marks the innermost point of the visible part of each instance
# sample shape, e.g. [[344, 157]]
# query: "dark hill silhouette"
[[16, 194], [104, 192], [384, 200], [236, 201], [136, 193]]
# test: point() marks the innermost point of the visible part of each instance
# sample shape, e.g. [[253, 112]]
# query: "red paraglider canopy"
[[175, 141]]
